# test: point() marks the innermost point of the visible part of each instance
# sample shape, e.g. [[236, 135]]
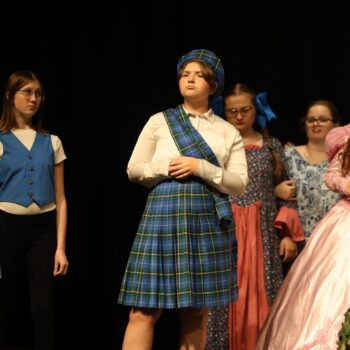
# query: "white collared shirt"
[[155, 148]]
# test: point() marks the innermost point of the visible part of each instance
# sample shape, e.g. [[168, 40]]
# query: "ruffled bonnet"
[[336, 139]]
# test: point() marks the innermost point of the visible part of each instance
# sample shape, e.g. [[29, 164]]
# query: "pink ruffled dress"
[[309, 309]]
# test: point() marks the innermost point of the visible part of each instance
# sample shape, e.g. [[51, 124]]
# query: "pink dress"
[[309, 308]]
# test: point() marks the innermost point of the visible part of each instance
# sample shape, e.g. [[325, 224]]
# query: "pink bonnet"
[[336, 139]]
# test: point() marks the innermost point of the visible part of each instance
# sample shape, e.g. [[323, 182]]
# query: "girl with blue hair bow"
[[267, 229]]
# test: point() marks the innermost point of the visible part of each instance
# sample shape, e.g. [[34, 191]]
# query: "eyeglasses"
[[28, 93], [320, 120], [233, 112]]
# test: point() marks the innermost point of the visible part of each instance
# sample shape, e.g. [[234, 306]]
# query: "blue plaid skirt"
[[181, 256]]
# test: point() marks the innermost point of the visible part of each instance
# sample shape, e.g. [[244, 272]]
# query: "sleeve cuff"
[[288, 221]]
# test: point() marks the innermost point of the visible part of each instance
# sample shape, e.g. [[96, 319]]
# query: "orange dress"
[[259, 270]]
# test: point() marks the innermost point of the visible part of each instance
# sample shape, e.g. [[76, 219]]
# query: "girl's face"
[[27, 100], [192, 83], [318, 122], [240, 112]]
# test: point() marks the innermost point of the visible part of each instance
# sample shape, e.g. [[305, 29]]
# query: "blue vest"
[[27, 176]]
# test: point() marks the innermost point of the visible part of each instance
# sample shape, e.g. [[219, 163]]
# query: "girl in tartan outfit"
[[184, 252]]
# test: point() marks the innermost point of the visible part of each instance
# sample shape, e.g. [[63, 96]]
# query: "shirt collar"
[[209, 115]]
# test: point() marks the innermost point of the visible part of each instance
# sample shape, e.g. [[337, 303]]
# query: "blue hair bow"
[[265, 113]]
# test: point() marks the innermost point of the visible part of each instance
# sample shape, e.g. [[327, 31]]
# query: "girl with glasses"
[[33, 211], [267, 229], [307, 165]]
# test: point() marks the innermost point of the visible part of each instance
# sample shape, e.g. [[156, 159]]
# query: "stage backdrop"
[[107, 70]]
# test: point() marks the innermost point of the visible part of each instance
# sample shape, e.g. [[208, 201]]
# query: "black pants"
[[27, 248]]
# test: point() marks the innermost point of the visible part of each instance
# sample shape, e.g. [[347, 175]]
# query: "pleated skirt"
[[182, 256]]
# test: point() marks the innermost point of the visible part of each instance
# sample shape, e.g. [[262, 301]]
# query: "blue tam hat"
[[209, 59]]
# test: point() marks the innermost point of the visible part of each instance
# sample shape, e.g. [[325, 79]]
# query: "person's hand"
[[183, 167], [61, 263], [288, 249], [286, 190]]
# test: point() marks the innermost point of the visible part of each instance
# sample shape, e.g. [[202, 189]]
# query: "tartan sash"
[[190, 143]]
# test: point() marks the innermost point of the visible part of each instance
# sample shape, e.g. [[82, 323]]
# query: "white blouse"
[[155, 149]]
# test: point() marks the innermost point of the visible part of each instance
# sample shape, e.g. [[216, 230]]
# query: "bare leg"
[[193, 328], [139, 331]]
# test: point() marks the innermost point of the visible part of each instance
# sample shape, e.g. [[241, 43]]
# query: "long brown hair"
[[14, 83], [239, 89], [345, 158]]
